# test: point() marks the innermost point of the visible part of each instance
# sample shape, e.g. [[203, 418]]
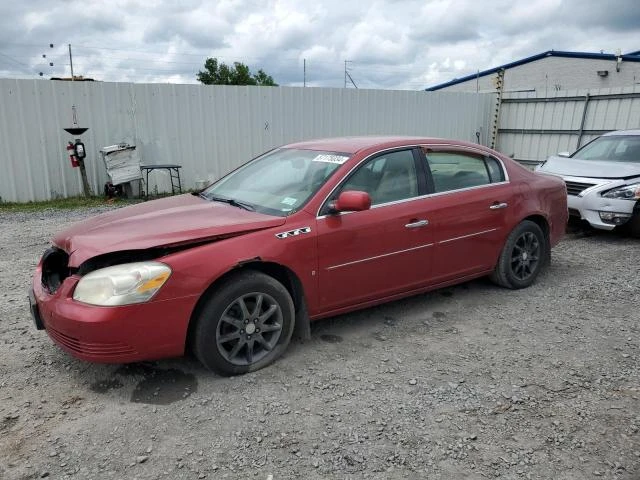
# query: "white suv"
[[603, 180]]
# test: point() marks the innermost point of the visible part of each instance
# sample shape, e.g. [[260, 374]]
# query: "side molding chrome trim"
[[468, 236], [379, 256]]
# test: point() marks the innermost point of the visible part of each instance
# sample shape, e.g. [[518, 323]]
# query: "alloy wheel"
[[525, 255], [249, 328]]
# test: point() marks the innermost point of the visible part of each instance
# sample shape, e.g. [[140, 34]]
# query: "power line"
[[192, 54], [148, 58], [133, 59], [15, 60], [149, 61], [202, 55], [296, 57], [134, 68], [146, 52]]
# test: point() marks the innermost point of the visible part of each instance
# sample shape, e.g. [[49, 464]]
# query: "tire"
[[632, 227], [244, 325], [523, 256]]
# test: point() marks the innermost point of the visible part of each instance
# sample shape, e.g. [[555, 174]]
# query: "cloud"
[[407, 44], [618, 16]]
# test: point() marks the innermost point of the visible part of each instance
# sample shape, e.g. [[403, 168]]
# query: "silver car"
[[603, 180]]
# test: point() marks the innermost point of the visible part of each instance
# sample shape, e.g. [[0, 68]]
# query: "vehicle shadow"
[[422, 311], [581, 228]]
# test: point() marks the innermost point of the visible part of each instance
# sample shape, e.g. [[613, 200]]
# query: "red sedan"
[[303, 232]]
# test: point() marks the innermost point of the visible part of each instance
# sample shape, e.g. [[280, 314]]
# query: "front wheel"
[[244, 325], [522, 257]]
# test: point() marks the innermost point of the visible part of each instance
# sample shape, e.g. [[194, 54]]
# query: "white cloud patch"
[[405, 44]]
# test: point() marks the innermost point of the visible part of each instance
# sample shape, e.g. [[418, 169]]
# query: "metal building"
[[552, 71]]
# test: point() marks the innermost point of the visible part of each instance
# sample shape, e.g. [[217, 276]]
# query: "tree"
[[221, 74]]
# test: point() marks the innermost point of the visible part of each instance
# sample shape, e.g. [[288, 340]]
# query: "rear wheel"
[[245, 324], [524, 254]]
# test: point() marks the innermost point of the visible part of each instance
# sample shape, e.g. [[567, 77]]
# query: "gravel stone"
[[536, 383]]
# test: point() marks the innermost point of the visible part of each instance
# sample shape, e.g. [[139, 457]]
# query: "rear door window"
[[460, 170]]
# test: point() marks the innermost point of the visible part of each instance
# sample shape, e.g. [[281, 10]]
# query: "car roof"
[[355, 144], [622, 132]]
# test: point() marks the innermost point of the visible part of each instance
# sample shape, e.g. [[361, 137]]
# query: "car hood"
[[171, 221], [575, 167]]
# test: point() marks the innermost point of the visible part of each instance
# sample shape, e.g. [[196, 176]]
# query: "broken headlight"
[[122, 284]]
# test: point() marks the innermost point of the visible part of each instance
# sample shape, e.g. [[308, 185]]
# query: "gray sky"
[[391, 44]]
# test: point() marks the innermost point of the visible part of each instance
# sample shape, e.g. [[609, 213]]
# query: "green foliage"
[[215, 73]]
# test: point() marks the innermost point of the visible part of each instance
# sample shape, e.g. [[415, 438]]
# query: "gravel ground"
[[467, 382]]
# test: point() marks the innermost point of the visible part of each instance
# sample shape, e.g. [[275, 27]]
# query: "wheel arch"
[[279, 272]]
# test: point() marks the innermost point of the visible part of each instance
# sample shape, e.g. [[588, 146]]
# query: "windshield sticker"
[[323, 157], [289, 201]]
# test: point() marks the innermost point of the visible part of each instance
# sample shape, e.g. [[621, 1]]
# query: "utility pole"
[[304, 72], [351, 80], [71, 63], [345, 74]]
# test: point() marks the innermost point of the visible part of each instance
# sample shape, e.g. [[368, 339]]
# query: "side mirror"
[[352, 201], [564, 154]]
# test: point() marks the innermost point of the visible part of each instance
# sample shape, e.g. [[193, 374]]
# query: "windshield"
[[277, 183], [615, 148]]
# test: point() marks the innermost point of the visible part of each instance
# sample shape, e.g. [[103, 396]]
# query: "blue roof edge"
[[631, 56]]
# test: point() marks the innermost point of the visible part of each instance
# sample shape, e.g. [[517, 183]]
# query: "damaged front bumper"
[[35, 311], [119, 334]]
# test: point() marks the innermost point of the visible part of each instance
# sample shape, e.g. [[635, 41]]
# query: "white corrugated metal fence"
[[207, 129], [532, 126]]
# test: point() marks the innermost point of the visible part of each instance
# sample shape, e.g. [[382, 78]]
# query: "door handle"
[[498, 206], [417, 224]]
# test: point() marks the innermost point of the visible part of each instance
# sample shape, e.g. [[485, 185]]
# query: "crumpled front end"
[[118, 334]]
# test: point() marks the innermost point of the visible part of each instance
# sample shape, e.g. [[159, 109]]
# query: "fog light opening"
[[614, 218]]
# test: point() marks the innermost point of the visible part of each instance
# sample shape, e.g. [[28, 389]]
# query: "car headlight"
[[122, 284], [625, 192]]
